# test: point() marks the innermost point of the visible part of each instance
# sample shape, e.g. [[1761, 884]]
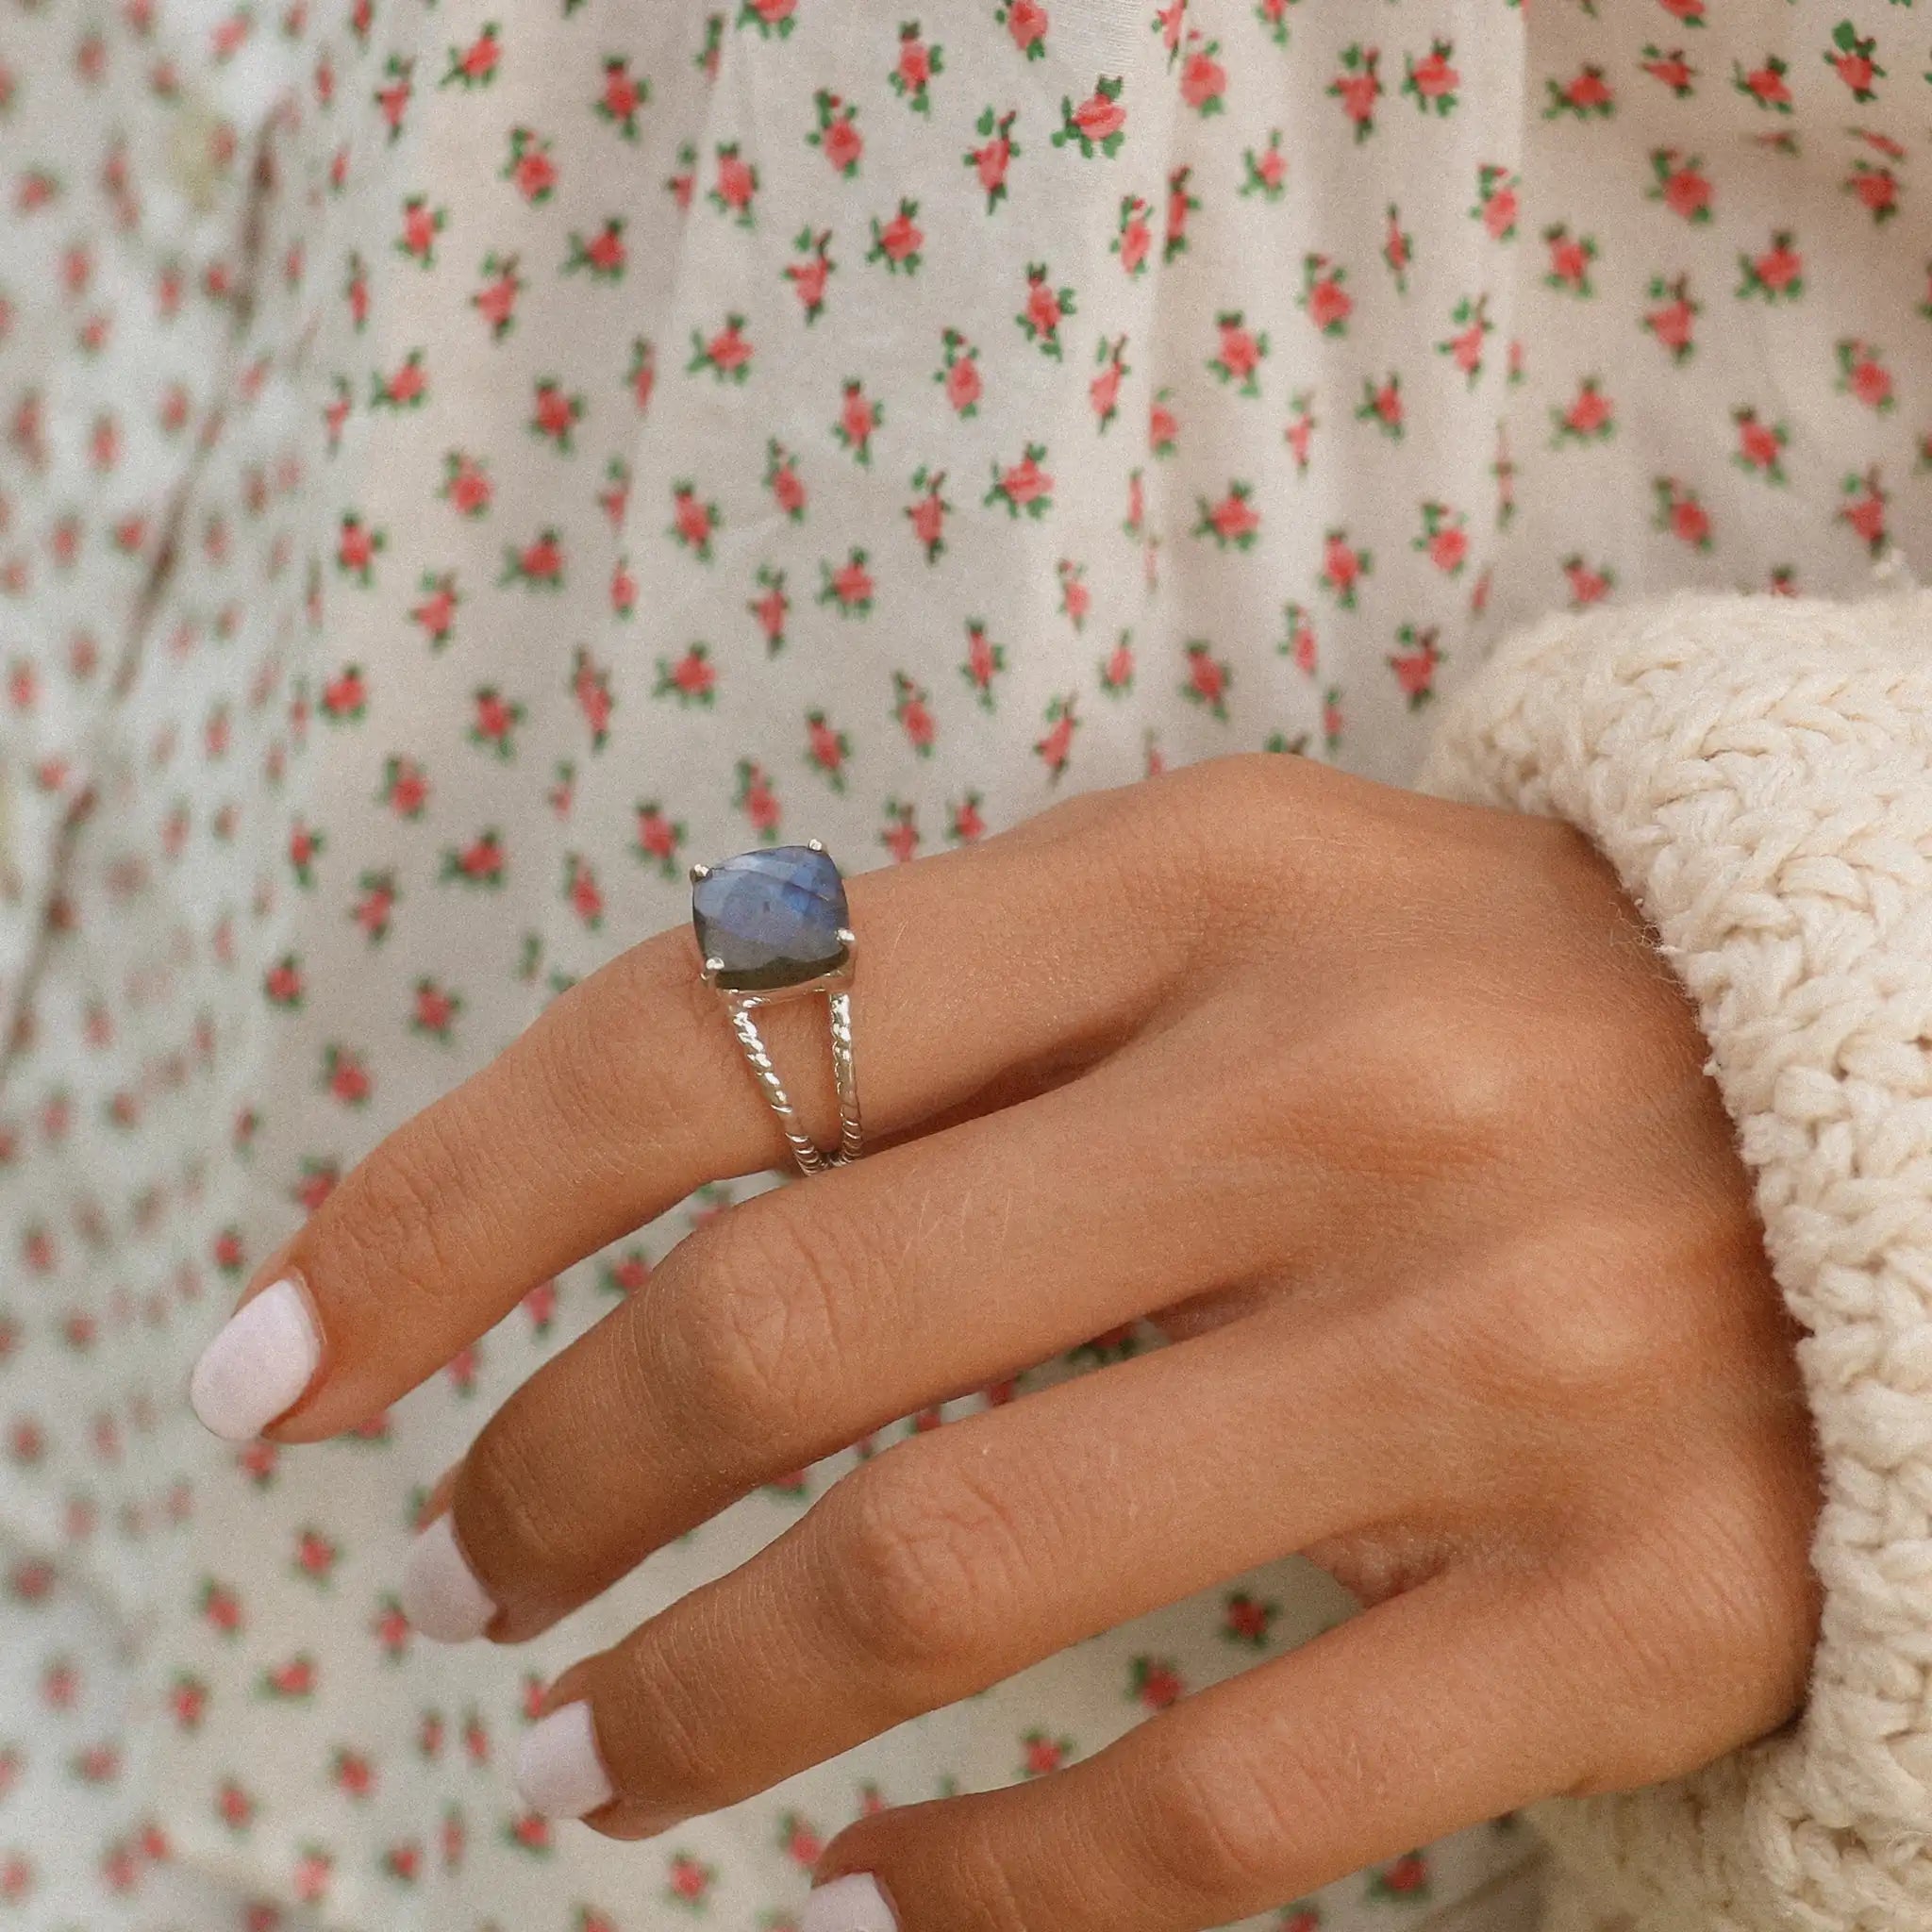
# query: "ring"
[[773, 924]]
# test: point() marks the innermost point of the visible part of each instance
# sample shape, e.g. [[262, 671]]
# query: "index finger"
[[974, 971]]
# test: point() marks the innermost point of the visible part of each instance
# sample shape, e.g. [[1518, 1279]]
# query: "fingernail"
[[852, 1904], [442, 1597], [559, 1772], [256, 1368]]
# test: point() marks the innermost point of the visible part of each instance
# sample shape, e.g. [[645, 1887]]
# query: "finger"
[[1413, 1720], [629, 1091], [962, 1556], [807, 1317]]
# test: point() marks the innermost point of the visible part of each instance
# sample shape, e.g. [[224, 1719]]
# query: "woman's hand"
[[1389, 1111]]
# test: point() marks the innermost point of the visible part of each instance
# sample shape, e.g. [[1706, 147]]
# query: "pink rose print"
[[1343, 568], [1587, 586], [734, 186], [1327, 303], [1863, 511], [1851, 57], [1777, 274], [1299, 642], [809, 277], [994, 157], [771, 18], [859, 418], [1863, 376], [826, 749], [1023, 487], [1134, 236], [1761, 445], [1590, 418], [1026, 22], [985, 660], [693, 521], [1588, 95], [691, 679], [603, 256], [1204, 79], [1671, 69], [1673, 321], [898, 244], [726, 353], [530, 169], [1681, 184], [1359, 86], [1765, 84], [837, 135], [1238, 360], [918, 65], [421, 225], [1233, 521], [1680, 514], [1432, 81], [623, 97], [1265, 174], [496, 300], [1098, 125], [1207, 679], [1381, 405], [476, 65], [848, 587], [1103, 392], [958, 374], [1057, 746], [772, 608], [1416, 663], [1046, 308], [783, 480], [928, 512], [1443, 538]]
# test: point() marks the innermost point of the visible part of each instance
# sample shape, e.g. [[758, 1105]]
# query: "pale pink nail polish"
[[442, 1597], [559, 1771], [257, 1367], [852, 1904]]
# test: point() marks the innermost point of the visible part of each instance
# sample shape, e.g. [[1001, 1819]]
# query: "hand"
[[1386, 1106]]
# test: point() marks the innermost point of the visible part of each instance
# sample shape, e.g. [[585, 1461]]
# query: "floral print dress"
[[458, 466]]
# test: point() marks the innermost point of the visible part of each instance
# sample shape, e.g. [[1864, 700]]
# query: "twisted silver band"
[[804, 1150]]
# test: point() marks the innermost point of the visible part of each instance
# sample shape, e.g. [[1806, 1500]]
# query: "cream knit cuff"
[[1759, 772]]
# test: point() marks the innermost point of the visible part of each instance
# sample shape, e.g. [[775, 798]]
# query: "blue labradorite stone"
[[771, 919]]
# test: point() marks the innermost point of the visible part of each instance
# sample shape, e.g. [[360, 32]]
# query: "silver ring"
[[773, 924]]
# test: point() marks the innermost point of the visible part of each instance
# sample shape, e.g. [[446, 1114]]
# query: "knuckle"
[[922, 1562], [749, 1315], [1415, 1080], [1218, 1826], [1566, 1324]]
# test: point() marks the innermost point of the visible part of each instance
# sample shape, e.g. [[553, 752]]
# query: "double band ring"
[[773, 924]]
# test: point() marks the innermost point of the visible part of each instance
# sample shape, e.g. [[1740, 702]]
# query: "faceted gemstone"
[[771, 919]]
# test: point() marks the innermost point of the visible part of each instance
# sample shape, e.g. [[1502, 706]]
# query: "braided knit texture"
[[1760, 773]]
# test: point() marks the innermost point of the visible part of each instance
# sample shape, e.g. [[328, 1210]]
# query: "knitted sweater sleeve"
[[1760, 773]]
